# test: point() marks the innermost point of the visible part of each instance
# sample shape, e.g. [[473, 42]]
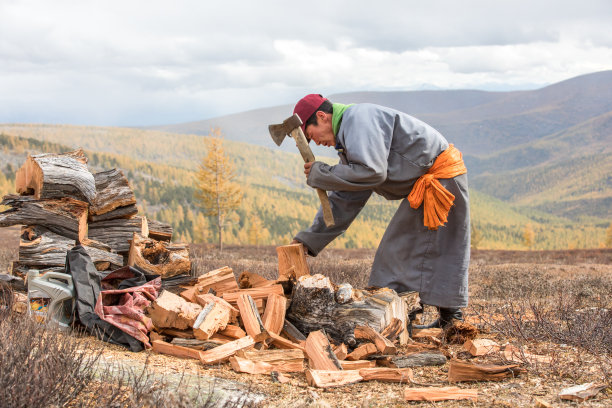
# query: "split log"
[[205, 299], [291, 262], [52, 176], [196, 344], [283, 343], [314, 306], [357, 364], [213, 318], [395, 375], [361, 352], [173, 350], [480, 347], [332, 378], [159, 258], [225, 351], [118, 233], [243, 365], [462, 371], [178, 333], [255, 293], [439, 394], [252, 280], [220, 280], [292, 333], [424, 333], [251, 320], [113, 192], [160, 231], [341, 351], [233, 331], [320, 353], [393, 330], [286, 361], [274, 315], [40, 247], [582, 392], [172, 311], [419, 360], [64, 216], [516, 355], [382, 343]]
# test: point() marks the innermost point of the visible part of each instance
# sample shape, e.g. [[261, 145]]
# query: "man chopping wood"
[[426, 247]]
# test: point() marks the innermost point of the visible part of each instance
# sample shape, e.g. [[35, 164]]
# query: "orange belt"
[[437, 200]]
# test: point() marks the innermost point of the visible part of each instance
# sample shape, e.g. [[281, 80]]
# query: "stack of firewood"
[[60, 203], [256, 324]]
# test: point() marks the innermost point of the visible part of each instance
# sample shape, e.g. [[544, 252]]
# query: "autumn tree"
[[216, 189], [256, 231], [609, 236], [528, 236], [475, 237]]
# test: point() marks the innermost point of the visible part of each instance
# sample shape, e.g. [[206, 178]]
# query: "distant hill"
[[541, 158]]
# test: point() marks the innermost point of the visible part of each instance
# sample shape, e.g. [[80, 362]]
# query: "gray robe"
[[385, 151]]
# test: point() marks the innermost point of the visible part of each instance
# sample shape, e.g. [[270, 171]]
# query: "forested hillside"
[[277, 203]]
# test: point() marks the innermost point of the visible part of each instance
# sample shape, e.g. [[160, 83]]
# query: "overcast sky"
[[133, 62]]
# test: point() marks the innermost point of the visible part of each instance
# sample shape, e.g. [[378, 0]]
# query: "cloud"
[[152, 62]]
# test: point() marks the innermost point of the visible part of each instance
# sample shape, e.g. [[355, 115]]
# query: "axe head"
[[279, 131]]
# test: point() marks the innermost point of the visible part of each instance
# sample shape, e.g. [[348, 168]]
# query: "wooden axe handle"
[[302, 145]]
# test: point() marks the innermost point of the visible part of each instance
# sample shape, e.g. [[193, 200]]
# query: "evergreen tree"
[[475, 237], [255, 231], [528, 236], [216, 189]]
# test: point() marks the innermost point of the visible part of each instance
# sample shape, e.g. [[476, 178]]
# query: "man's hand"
[[307, 167]]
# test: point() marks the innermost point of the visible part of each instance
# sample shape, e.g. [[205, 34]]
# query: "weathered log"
[[122, 212], [159, 258], [118, 233], [50, 175], [113, 192], [314, 306], [64, 216], [160, 231], [41, 247], [18, 269], [419, 360]]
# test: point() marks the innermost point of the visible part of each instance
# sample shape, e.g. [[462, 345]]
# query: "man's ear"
[[322, 116]]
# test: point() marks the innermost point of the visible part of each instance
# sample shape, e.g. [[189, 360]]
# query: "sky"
[[140, 63]]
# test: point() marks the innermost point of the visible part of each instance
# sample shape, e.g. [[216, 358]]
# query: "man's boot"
[[447, 316]]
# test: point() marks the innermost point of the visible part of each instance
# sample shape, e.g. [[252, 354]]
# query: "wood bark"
[[113, 192], [64, 216], [51, 176], [459, 371], [159, 258], [40, 247], [118, 233], [128, 211], [314, 306]]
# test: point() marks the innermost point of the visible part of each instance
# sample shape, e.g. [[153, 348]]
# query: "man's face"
[[322, 132]]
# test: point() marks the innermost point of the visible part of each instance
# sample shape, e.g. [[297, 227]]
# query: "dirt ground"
[[499, 280]]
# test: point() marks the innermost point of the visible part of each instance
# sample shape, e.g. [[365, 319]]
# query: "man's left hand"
[[307, 167]]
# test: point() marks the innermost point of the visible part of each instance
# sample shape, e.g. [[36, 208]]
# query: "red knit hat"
[[307, 106]]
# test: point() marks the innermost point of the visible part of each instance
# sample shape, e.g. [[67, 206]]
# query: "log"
[[20, 270], [462, 371], [53, 176], [382, 374], [273, 356], [121, 212], [225, 351], [113, 192], [160, 231], [220, 280], [172, 311], [291, 262], [357, 364], [382, 343], [233, 331], [118, 233], [439, 394], [274, 315], [419, 360], [173, 350], [40, 247], [361, 352], [314, 306], [332, 378], [320, 353], [159, 258], [63, 216], [481, 347], [213, 318], [341, 351], [197, 344]]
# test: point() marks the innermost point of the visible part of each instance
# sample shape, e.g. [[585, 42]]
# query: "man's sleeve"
[[345, 206]]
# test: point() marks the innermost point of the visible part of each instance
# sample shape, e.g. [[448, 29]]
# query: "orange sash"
[[437, 200]]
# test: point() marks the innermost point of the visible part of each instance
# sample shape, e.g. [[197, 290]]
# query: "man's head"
[[315, 111]]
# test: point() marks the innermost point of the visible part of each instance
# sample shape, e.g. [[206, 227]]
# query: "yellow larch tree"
[[217, 191]]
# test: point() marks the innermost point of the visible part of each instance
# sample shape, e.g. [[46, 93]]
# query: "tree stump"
[[314, 307], [159, 258]]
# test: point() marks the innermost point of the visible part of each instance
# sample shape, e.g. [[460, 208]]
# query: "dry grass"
[[552, 303]]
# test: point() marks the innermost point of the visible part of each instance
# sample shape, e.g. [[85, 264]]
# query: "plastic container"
[[50, 297]]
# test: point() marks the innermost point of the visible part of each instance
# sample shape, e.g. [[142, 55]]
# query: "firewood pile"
[[60, 203]]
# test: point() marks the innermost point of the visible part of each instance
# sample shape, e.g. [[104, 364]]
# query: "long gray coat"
[[385, 151]]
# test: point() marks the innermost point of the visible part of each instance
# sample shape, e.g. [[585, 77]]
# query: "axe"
[[292, 126]]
